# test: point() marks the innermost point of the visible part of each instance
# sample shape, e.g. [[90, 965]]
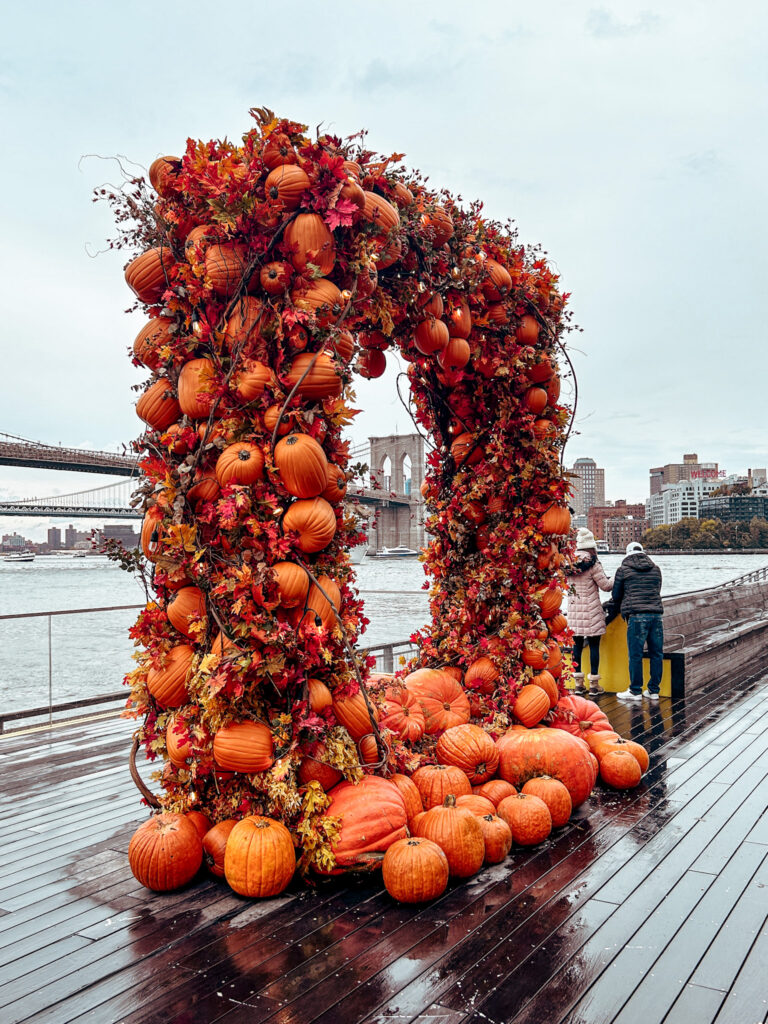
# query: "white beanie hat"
[[585, 540], [634, 547]]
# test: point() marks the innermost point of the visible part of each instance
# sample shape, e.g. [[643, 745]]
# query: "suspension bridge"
[[386, 490]]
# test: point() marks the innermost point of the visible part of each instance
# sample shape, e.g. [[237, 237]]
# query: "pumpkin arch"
[[337, 242]]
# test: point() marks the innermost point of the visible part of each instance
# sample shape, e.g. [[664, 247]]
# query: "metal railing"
[[388, 657]]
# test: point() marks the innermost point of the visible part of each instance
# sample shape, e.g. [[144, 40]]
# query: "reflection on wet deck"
[[649, 906]]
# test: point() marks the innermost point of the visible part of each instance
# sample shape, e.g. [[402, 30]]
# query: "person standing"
[[586, 578], [637, 594]]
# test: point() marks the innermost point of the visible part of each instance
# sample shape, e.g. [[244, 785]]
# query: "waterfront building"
[[618, 510], [70, 537], [689, 469], [14, 542], [120, 531], [733, 508], [622, 530], [54, 538], [587, 482], [683, 500]]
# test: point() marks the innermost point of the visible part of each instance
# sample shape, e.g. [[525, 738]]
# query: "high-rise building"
[[54, 538], [587, 482], [70, 537], [682, 500], [689, 469]]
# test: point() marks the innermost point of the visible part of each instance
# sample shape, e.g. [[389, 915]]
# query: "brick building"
[[597, 516], [689, 469], [623, 530]]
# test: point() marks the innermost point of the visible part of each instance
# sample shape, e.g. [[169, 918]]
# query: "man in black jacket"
[[637, 592]]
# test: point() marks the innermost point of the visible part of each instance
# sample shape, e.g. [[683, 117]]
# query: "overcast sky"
[[630, 141]]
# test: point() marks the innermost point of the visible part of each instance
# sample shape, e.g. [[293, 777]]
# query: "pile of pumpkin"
[[445, 821], [272, 272]]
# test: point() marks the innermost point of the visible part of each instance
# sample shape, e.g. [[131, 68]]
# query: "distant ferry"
[[398, 552], [20, 556]]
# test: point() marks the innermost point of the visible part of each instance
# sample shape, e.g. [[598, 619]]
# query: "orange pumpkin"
[[410, 794], [252, 381], [314, 376], [152, 337], [245, 322], [465, 450], [158, 406], [402, 713], [606, 745], [147, 275], [320, 608], [259, 859], [430, 336], [319, 297], [309, 240], [186, 609], [315, 522], [556, 520], [527, 331], [458, 316], [436, 781], [215, 845], [196, 386], [240, 463], [371, 363], [275, 277], [528, 818], [442, 699], [439, 223], [381, 213], [547, 683], [455, 355], [372, 816], [470, 748], [495, 790], [475, 803], [458, 834], [536, 400], [620, 769], [498, 281], [225, 265], [292, 583], [527, 753], [244, 747], [165, 852], [314, 767], [335, 484], [352, 712], [415, 870], [302, 465], [286, 185], [497, 837], [482, 675], [168, 685], [319, 695], [201, 822], [554, 794], [531, 705]]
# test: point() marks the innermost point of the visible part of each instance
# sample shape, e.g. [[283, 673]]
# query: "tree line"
[[708, 533]]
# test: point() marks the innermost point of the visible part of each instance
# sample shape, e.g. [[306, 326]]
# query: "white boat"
[[358, 553], [398, 552], [20, 556], [79, 554]]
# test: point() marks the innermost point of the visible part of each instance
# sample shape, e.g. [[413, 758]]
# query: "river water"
[[91, 653]]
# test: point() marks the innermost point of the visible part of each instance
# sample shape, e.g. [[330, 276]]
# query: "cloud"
[[704, 164], [603, 24]]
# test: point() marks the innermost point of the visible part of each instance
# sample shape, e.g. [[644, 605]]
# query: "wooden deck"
[[649, 906]]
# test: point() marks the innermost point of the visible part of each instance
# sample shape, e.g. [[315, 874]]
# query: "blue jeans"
[[641, 628]]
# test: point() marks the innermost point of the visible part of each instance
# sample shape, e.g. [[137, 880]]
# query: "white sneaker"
[[651, 696], [628, 695]]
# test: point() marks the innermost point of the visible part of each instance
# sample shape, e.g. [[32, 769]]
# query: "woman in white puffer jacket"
[[586, 617]]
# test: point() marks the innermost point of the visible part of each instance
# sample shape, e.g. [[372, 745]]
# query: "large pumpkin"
[[243, 747], [252, 381], [240, 463], [292, 584], [470, 748], [315, 522], [436, 781], [352, 712], [526, 753], [165, 852], [319, 297], [158, 406], [381, 213], [315, 375], [245, 322], [578, 716], [147, 275], [458, 834], [315, 768], [302, 465], [308, 240], [152, 337], [556, 520], [196, 385], [415, 870], [482, 675], [410, 794], [531, 705], [187, 606], [259, 860], [323, 602], [168, 685], [372, 816], [442, 699], [225, 265], [285, 184], [402, 713], [215, 845]]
